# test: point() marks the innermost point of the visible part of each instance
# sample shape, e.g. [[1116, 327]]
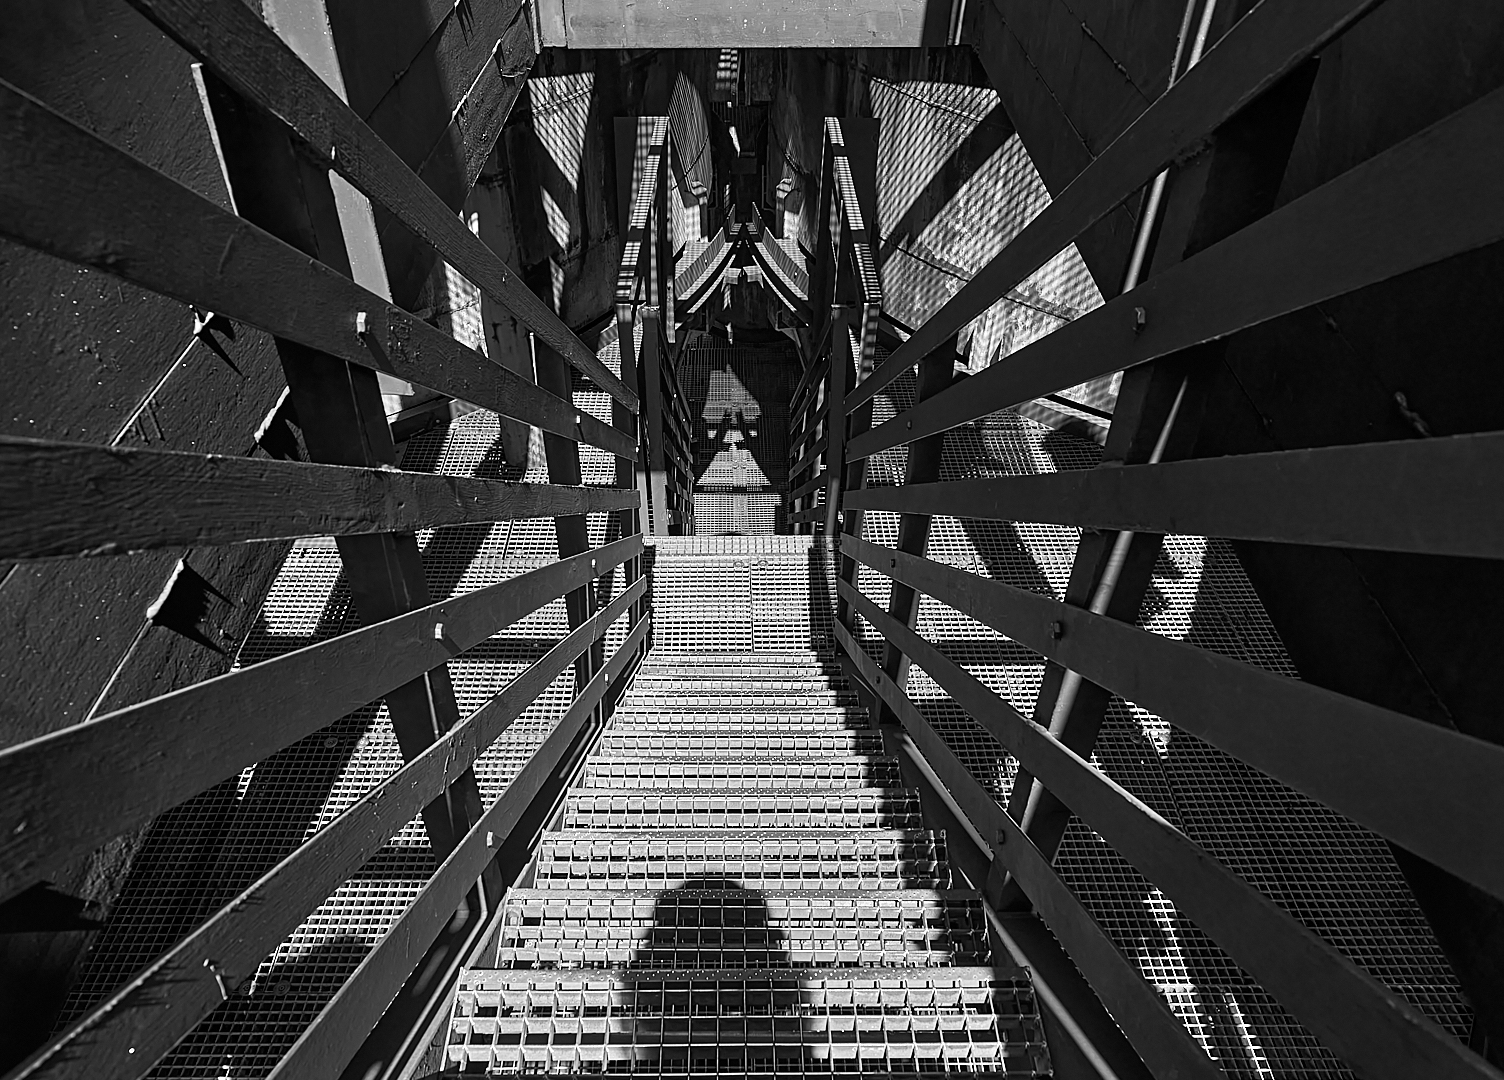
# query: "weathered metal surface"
[[233, 40], [1432, 790], [1371, 1027], [135, 1027], [1428, 199], [152, 756], [167, 239], [1452, 490], [78, 499]]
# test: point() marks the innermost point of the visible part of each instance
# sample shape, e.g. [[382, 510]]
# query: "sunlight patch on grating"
[[790, 1021]]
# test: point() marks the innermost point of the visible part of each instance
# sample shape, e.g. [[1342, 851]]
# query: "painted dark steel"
[[1269, 43], [1157, 1034], [71, 499], [1440, 496], [170, 240], [1430, 789], [1373, 1029], [135, 1027], [149, 757], [237, 45], [1430, 197]]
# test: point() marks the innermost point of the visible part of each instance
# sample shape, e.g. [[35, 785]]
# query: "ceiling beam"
[[757, 24]]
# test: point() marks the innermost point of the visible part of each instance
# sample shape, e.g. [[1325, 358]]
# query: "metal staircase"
[[739, 882]]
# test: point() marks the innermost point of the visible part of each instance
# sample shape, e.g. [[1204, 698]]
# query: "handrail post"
[[682, 522], [936, 371], [822, 277], [802, 438], [853, 163], [340, 411], [663, 248], [1158, 414], [629, 520], [640, 164], [655, 455], [835, 417]]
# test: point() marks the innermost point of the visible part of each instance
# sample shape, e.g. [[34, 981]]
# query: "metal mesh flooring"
[[739, 883], [739, 403], [200, 855], [738, 825], [1338, 879]]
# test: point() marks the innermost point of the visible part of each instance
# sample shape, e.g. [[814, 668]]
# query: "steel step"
[[731, 808], [829, 773], [894, 1021]]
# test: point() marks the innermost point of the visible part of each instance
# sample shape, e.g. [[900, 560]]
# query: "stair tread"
[[816, 915]]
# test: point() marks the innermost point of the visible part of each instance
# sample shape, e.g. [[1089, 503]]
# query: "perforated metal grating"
[[675, 772], [894, 1022], [201, 855], [738, 398], [923, 928], [739, 880], [1339, 880]]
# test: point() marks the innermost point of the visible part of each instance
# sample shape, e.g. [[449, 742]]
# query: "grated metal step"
[[664, 773], [874, 859], [893, 1021], [740, 883], [729, 808], [690, 928], [822, 744], [800, 720]]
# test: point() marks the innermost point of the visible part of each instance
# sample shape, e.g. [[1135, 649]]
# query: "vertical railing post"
[[655, 466], [835, 416], [625, 421], [852, 155], [822, 278], [663, 250], [853, 476], [805, 438], [340, 411], [936, 372], [641, 144]]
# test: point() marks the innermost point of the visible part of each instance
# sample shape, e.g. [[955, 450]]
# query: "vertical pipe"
[[1070, 683]]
